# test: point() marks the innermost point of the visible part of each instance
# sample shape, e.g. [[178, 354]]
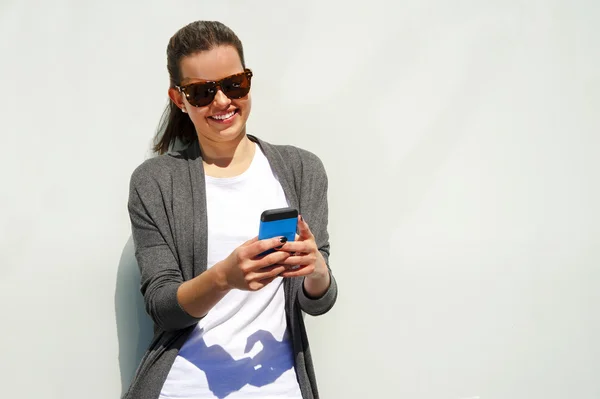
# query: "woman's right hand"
[[245, 270]]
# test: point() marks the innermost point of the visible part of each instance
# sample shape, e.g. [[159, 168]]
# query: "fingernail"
[[301, 219], [283, 240]]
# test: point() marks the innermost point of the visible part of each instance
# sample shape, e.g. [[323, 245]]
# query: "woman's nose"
[[221, 100]]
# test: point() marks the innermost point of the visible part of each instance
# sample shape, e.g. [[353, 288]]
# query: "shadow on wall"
[[134, 326]]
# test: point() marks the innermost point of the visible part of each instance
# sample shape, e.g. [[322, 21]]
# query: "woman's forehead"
[[214, 64]]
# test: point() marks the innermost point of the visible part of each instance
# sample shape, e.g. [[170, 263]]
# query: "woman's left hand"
[[306, 260]]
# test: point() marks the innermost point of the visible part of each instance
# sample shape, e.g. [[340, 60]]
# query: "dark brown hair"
[[191, 39]]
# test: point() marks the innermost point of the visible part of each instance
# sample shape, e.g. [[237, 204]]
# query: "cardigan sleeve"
[[314, 208], [155, 252]]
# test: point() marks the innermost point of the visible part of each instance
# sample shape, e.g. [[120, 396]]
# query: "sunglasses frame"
[[217, 85]]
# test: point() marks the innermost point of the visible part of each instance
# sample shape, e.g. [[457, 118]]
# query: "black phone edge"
[[271, 215]]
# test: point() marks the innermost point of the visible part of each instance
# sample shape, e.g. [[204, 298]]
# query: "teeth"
[[225, 116]]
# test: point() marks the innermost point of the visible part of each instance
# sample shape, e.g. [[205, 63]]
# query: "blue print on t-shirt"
[[226, 375]]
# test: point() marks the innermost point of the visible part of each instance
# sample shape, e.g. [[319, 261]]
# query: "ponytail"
[[174, 126]]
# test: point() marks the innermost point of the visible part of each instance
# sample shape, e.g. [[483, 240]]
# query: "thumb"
[[303, 229]]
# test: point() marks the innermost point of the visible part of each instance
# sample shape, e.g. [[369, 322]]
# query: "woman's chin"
[[229, 134]]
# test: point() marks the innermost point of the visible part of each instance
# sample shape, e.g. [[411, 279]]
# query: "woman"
[[228, 322]]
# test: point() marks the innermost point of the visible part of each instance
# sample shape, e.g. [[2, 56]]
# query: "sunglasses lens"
[[201, 94], [236, 86]]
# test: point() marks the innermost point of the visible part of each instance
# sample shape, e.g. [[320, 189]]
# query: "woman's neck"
[[227, 159]]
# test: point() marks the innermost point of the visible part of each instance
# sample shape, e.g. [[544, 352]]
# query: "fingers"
[[258, 263], [270, 271], [299, 260], [265, 274], [299, 265], [259, 246], [273, 258], [257, 285], [299, 272], [298, 247], [250, 241]]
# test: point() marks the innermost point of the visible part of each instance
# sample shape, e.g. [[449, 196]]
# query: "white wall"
[[461, 142]]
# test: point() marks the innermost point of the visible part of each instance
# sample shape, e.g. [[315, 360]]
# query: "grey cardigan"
[[167, 208]]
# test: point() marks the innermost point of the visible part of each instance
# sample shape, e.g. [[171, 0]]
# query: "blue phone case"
[[278, 228]]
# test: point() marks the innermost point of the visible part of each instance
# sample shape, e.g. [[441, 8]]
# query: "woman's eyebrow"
[[188, 79]]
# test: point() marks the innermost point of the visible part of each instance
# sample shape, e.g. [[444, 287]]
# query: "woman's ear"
[[177, 98]]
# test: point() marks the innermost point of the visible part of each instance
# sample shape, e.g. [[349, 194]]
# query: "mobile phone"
[[280, 222]]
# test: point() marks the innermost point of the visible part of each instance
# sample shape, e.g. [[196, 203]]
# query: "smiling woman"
[[195, 213], [198, 53]]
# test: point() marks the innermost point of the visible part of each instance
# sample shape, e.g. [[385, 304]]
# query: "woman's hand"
[[245, 270], [306, 260]]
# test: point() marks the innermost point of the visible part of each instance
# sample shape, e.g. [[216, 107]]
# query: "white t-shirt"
[[241, 349]]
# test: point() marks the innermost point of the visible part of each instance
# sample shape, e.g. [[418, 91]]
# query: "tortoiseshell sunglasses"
[[202, 94]]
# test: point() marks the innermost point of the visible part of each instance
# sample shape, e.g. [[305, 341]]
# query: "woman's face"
[[224, 119]]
